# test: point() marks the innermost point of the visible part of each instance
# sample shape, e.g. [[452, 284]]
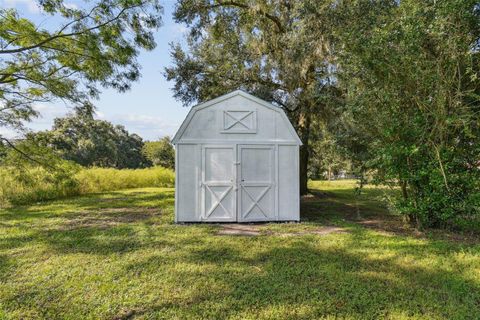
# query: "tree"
[[3, 150], [94, 47], [90, 142], [328, 156], [160, 153], [268, 48], [411, 80]]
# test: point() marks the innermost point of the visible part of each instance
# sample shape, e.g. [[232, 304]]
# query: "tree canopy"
[[93, 48], [91, 142], [268, 48], [160, 153], [390, 86]]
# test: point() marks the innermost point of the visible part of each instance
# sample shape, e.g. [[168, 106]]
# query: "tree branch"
[[67, 35], [267, 15], [11, 145]]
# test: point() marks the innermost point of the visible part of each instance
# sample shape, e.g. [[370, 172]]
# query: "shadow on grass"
[[97, 224], [87, 240], [342, 204], [6, 266], [96, 241], [298, 279], [359, 274], [93, 202]]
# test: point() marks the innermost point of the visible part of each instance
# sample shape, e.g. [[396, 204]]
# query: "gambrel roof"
[[234, 95]]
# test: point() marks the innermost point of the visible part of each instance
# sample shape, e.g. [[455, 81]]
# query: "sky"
[[148, 108]]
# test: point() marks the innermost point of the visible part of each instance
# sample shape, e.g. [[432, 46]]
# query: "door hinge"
[[236, 163]]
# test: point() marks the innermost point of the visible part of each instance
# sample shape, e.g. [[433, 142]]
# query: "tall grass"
[[32, 184], [107, 179], [35, 184]]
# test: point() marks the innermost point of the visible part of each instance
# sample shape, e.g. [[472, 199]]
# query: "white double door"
[[238, 183]]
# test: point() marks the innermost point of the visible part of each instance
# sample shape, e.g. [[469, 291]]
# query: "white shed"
[[236, 160]]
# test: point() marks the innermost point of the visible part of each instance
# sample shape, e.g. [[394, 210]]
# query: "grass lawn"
[[119, 255]]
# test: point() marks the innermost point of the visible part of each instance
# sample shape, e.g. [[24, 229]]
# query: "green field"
[[118, 255]]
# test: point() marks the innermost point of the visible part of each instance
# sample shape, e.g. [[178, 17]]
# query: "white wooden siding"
[[236, 160]]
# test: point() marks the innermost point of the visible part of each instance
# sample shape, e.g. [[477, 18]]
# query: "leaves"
[[393, 83], [412, 101], [160, 153], [94, 48], [90, 142], [275, 50]]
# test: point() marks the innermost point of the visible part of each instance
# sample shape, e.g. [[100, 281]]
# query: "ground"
[[119, 255]]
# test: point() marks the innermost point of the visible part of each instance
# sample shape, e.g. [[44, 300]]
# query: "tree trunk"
[[304, 122], [304, 156], [403, 185]]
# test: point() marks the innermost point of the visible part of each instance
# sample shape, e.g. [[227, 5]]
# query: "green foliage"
[[119, 255], [327, 156], [95, 46], [411, 77], [90, 142], [41, 176], [44, 175], [36, 183], [160, 153], [267, 48]]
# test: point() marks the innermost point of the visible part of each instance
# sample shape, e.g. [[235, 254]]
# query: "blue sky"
[[149, 108]]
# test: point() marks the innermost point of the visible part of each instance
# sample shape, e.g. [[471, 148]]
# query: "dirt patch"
[[239, 230], [314, 196], [256, 230], [127, 314], [393, 226], [320, 231], [110, 217]]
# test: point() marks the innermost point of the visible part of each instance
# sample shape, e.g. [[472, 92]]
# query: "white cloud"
[[179, 28], [31, 5], [100, 115], [148, 127], [70, 5], [9, 133], [47, 112], [50, 111]]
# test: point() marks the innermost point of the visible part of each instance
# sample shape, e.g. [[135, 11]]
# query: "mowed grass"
[[119, 255]]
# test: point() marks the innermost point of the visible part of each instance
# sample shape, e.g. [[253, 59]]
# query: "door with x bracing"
[[218, 183], [256, 190], [238, 183]]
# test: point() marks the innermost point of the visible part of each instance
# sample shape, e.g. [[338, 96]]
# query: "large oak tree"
[[264, 47]]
